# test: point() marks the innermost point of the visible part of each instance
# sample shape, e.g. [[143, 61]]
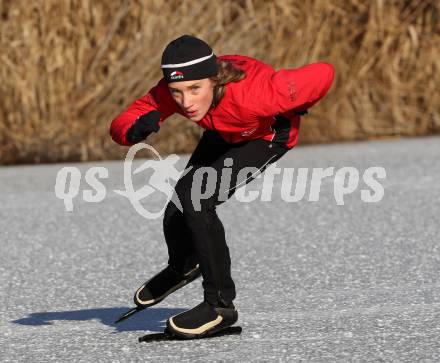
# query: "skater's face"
[[193, 97]]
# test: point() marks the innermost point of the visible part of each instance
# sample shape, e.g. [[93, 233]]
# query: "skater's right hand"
[[143, 126]]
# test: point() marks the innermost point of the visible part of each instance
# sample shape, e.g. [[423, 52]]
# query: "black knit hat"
[[188, 58]]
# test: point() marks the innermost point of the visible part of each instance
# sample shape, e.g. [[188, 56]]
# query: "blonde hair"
[[226, 73]]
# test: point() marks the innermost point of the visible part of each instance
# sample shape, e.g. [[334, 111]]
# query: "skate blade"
[[129, 313], [166, 335]]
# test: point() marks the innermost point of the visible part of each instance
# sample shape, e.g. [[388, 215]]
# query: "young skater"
[[251, 114]]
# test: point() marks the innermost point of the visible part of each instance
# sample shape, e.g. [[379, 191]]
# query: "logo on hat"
[[176, 75]]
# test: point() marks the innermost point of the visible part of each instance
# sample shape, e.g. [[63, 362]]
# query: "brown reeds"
[[69, 66]]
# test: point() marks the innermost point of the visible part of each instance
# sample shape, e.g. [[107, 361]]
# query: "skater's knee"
[[196, 206], [204, 213]]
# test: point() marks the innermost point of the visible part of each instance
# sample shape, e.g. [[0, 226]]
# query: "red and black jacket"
[[265, 105]]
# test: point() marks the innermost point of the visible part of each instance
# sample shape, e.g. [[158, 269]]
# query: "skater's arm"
[[292, 89], [143, 116]]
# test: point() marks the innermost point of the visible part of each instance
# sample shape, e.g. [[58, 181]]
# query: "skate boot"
[[164, 283], [202, 321]]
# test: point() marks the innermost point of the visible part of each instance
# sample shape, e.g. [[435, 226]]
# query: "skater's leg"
[[216, 312], [180, 249], [183, 262], [181, 254], [206, 229]]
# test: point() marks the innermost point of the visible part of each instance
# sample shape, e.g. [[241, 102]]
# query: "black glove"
[[143, 126]]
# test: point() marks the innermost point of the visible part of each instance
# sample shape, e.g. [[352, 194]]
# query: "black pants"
[[197, 234]]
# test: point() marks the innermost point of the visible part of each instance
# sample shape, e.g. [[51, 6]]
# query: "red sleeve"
[[158, 98], [289, 89]]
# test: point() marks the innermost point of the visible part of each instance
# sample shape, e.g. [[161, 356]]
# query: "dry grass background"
[[69, 66]]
